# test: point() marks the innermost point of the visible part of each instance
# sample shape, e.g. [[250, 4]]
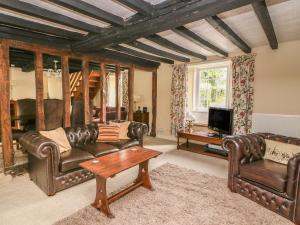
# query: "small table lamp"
[[190, 118]]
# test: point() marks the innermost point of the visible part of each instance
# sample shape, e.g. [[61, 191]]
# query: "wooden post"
[[85, 91], [102, 93], [118, 101], [130, 92], [154, 103], [66, 90], [39, 86], [6, 133]]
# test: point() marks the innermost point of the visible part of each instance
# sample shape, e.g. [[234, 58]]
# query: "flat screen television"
[[220, 119]]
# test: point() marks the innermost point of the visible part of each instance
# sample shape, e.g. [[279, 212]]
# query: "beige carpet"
[[181, 196]]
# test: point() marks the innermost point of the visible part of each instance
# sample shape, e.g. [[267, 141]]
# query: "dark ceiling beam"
[[34, 35], [90, 10], [191, 36], [262, 13], [141, 54], [152, 50], [45, 14], [140, 6], [169, 19], [227, 32], [170, 45], [34, 26], [121, 57]]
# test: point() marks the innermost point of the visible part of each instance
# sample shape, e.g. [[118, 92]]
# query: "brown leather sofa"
[[54, 172], [273, 185]]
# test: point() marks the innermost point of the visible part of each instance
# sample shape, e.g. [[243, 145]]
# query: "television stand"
[[201, 136]]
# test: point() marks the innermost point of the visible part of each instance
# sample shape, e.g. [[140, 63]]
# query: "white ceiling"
[[285, 15]]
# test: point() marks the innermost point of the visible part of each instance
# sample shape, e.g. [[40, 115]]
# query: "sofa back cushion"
[[59, 137], [82, 135], [280, 152]]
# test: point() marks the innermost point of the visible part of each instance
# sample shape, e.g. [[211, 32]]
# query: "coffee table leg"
[[101, 200], [144, 175]]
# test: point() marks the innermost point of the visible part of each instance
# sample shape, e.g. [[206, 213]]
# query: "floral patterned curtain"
[[242, 90], [178, 97], [124, 87]]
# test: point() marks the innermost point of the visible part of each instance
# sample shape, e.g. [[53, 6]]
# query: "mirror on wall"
[[52, 77]]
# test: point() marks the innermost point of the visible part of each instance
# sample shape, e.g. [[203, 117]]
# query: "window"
[[210, 88]]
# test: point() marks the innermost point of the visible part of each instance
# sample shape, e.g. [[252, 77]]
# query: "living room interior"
[[149, 112]]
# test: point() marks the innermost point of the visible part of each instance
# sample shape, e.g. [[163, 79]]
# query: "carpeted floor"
[[181, 196]]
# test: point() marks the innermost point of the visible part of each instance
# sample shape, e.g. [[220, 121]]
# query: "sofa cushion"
[[280, 152], [267, 173], [122, 144], [70, 160], [99, 149], [123, 129], [108, 132], [59, 137]]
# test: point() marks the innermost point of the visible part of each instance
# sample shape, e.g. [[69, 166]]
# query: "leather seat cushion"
[[122, 144], [70, 160], [267, 173], [99, 149]]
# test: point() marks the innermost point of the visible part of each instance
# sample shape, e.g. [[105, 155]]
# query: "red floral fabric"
[[243, 91]]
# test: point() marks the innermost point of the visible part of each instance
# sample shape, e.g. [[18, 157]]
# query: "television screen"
[[220, 120]]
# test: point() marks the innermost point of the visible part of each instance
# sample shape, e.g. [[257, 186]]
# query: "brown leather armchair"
[[273, 185]]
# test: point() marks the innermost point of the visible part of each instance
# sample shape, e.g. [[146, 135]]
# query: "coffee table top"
[[114, 163]]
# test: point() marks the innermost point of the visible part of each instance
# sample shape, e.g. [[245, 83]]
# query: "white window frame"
[[197, 68]]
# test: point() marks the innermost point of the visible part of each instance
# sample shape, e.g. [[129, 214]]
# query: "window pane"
[[211, 85]]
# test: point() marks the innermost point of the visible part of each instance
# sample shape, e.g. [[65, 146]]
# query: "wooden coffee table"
[[110, 165]]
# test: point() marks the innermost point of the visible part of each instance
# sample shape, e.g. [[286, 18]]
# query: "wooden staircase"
[[76, 84]]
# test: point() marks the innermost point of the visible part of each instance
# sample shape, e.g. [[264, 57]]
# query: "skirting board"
[[288, 125]]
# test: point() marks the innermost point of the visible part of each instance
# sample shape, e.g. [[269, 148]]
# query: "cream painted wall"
[[23, 85], [277, 79], [143, 88]]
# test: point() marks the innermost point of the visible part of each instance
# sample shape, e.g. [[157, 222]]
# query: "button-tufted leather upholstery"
[[266, 172], [53, 171], [273, 185]]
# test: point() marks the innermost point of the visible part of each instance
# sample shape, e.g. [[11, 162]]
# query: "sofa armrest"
[[39, 146], [293, 175], [242, 149], [136, 131]]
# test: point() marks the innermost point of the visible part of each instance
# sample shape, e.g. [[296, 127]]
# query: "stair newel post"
[[118, 101], [103, 93], [85, 90]]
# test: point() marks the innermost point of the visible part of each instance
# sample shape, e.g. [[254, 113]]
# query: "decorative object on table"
[[190, 118], [145, 109], [137, 99], [139, 109]]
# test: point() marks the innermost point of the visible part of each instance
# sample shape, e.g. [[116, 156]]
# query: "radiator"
[[288, 125]]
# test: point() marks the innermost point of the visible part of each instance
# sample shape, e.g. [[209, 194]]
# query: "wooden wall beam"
[[102, 93], [130, 92], [66, 90], [118, 96], [154, 103], [85, 91], [39, 86], [6, 133]]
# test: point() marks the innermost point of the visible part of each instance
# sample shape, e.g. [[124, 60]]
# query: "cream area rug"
[[181, 197]]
